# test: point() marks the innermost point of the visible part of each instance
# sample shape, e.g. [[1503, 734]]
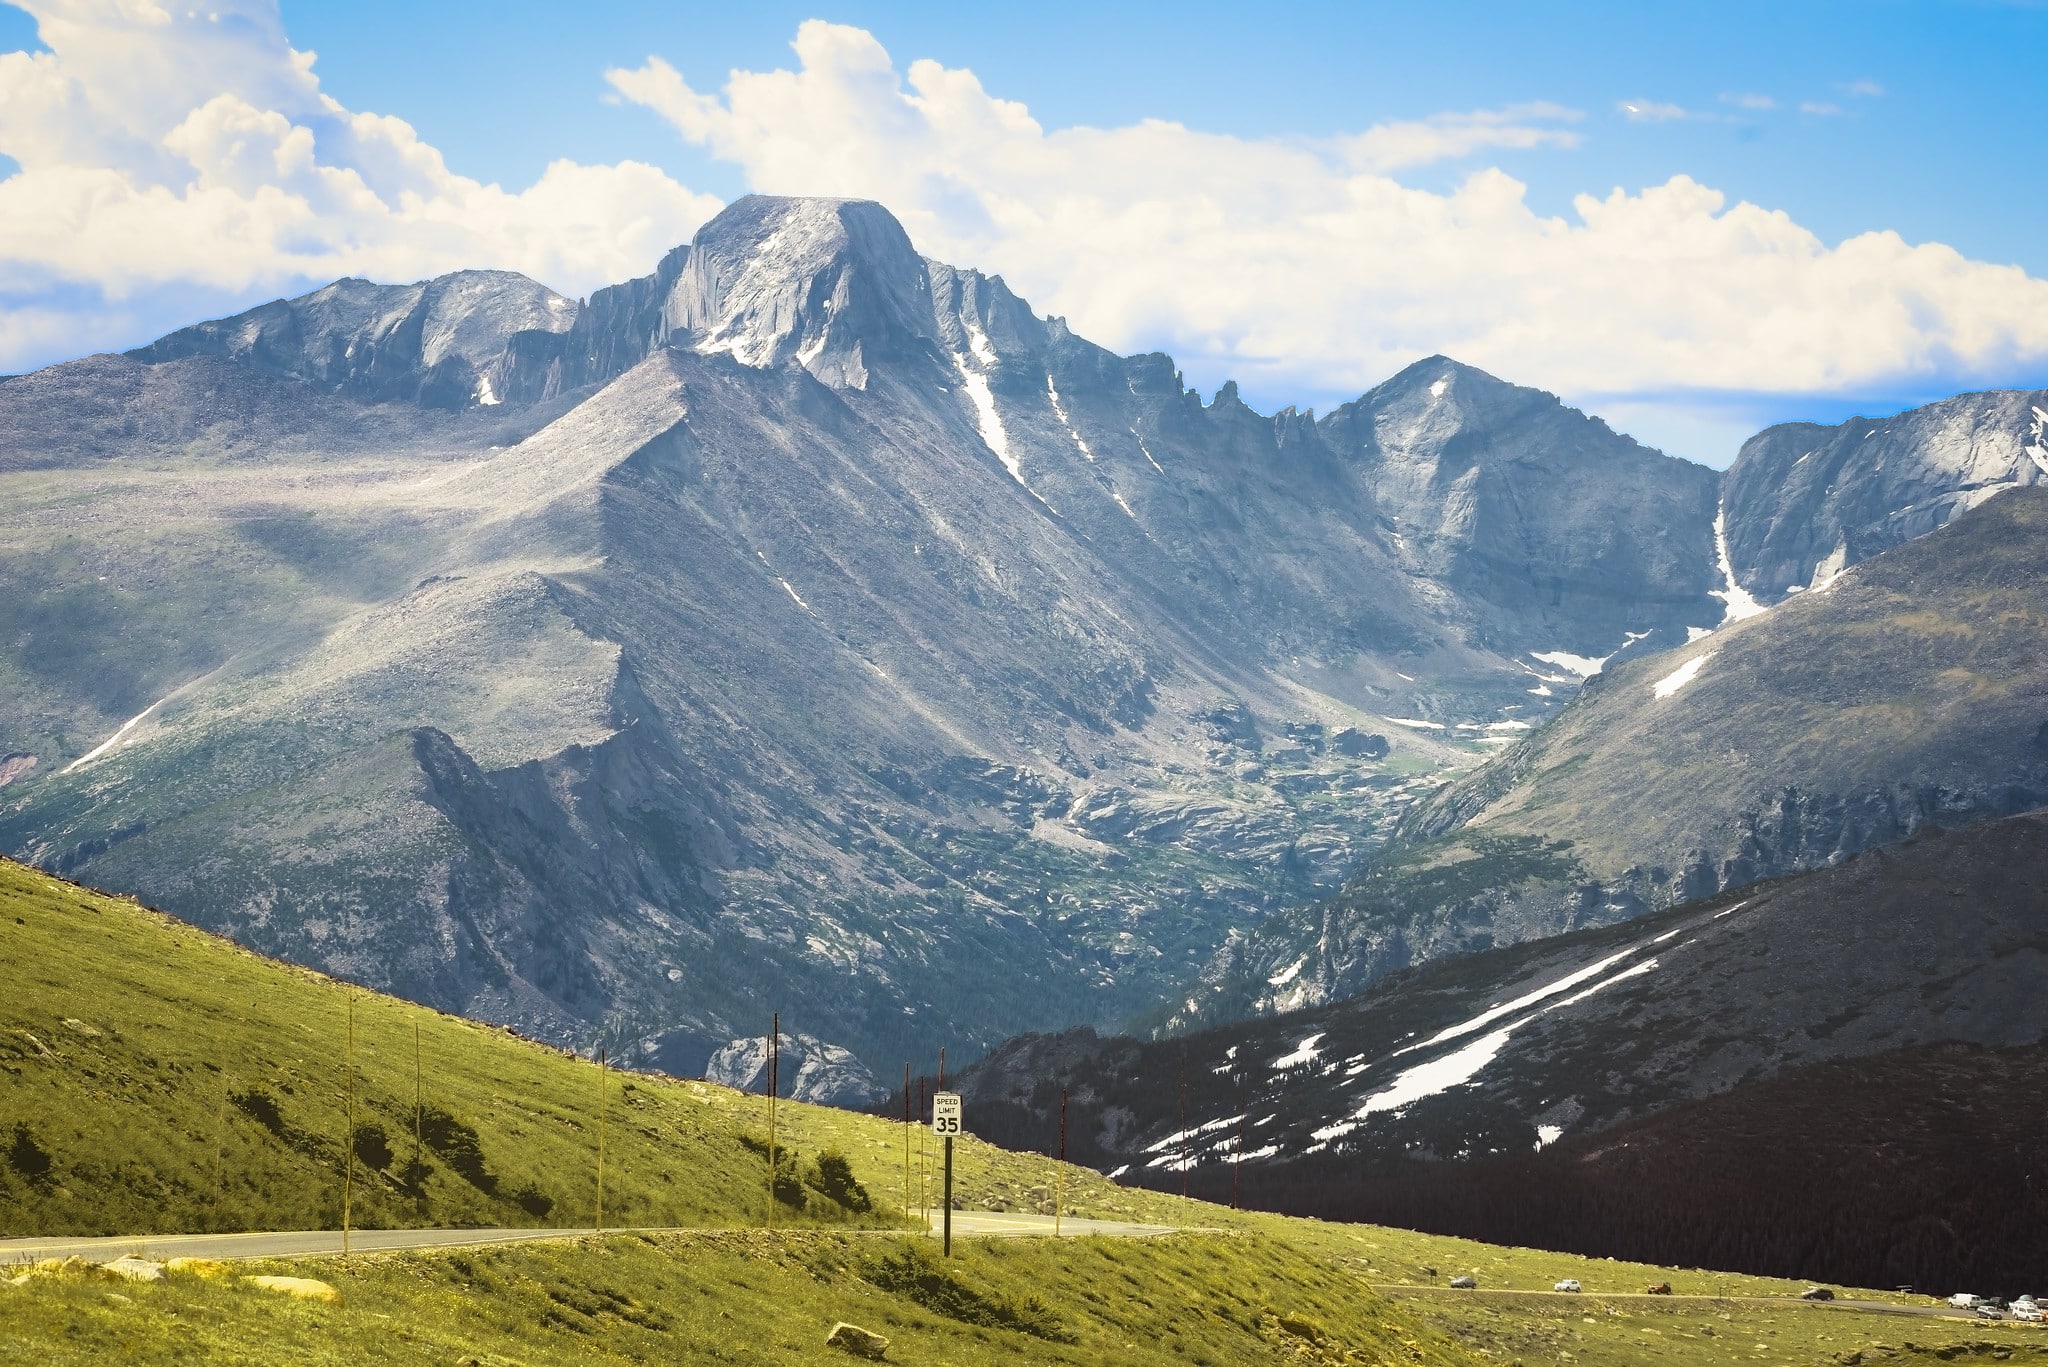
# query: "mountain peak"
[[831, 283]]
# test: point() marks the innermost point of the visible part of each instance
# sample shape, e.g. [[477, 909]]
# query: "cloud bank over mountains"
[[163, 148], [181, 151]]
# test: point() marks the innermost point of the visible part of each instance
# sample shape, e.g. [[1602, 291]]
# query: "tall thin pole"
[[1237, 1155], [774, 1085], [924, 1176], [601, 1098], [907, 1207], [1059, 1190], [946, 1196], [348, 1138], [220, 1147], [419, 1166], [1183, 1134]]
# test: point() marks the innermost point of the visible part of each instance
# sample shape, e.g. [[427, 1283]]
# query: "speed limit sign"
[[946, 1113]]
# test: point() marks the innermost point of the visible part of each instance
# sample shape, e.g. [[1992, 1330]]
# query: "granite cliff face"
[[1804, 502]]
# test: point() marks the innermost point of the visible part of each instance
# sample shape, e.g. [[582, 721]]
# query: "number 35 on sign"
[[946, 1113]]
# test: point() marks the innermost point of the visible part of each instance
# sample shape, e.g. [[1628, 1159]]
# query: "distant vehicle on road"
[[1988, 1312], [2030, 1314], [1657, 1289], [1568, 1284], [1465, 1283], [1963, 1300], [1816, 1293]]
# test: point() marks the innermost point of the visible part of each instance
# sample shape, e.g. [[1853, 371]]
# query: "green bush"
[[373, 1146], [459, 1147], [28, 1158], [836, 1180]]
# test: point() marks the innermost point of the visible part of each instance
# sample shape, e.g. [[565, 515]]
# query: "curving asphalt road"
[[1936, 1311], [327, 1242]]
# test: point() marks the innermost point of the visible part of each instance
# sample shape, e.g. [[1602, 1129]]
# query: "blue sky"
[[1922, 119], [1950, 151]]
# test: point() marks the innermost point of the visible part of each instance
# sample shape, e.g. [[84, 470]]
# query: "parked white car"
[[1568, 1284], [2029, 1313], [1963, 1300]]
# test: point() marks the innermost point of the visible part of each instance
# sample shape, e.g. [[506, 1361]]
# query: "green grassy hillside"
[[154, 1078]]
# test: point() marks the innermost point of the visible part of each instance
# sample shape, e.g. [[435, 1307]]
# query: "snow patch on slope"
[[1681, 676], [2037, 450], [1059, 411], [1528, 999], [1734, 597], [1462, 1065], [1304, 1053], [114, 740]]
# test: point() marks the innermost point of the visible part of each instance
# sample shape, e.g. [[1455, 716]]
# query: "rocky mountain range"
[[812, 625]]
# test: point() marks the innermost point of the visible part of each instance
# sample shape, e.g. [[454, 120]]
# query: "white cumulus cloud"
[[172, 148], [1307, 262]]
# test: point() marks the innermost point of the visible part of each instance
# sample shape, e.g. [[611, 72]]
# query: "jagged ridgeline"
[[809, 625], [155, 1078]]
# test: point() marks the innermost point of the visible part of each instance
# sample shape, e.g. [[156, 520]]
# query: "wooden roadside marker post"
[[348, 1137], [1183, 1136], [774, 1086], [1237, 1156], [906, 1145], [1059, 1190], [601, 1098], [419, 1166], [220, 1146]]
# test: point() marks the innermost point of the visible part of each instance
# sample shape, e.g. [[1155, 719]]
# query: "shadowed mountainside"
[[1941, 939]]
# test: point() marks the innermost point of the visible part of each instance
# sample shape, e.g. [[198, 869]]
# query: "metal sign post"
[[946, 1124]]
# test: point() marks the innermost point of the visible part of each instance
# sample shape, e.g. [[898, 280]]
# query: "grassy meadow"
[[155, 1079]]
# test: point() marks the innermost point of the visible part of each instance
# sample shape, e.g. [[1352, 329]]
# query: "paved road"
[[982, 1224], [1867, 1307], [317, 1243]]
